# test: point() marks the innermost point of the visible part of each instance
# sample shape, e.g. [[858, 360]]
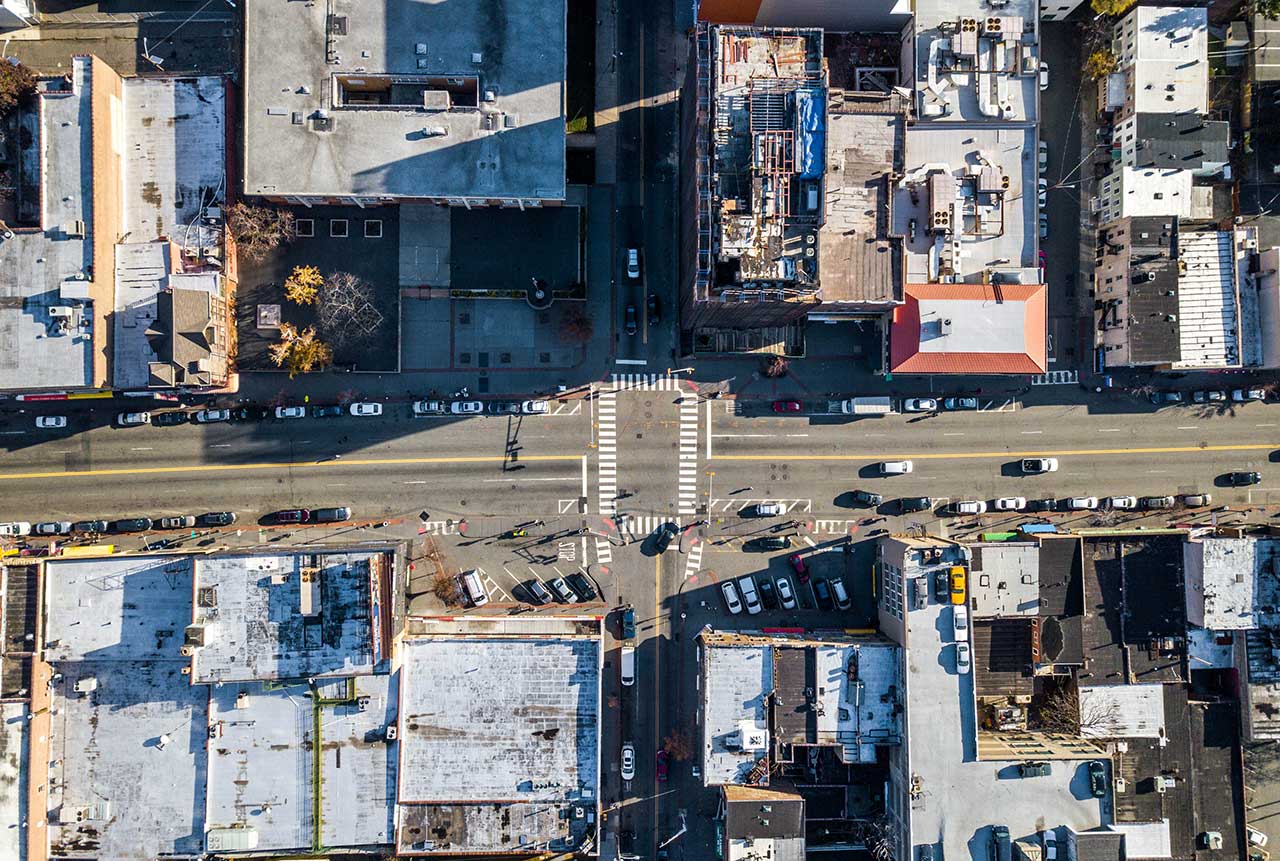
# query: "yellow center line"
[[975, 455], [322, 464]]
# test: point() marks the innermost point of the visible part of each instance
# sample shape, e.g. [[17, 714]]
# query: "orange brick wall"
[[107, 112]]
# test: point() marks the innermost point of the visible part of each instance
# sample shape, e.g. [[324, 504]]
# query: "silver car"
[[466, 408]]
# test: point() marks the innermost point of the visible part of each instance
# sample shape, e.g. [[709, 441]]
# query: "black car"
[[867, 499], [662, 538], [914, 503], [173, 418], [1161, 398], [501, 408], [1034, 769], [537, 593], [331, 515], [655, 310], [629, 319], [768, 595], [248, 414], [628, 622], [768, 542], [1243, 479], [582, 585], [89, 526], [217, 518], [131, 524], [822, 592], [1097, 778], [292, 515], [1044, 504], [942, 587], [331, 411]]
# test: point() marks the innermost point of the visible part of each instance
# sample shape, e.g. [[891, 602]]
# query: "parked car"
[[1241, 395], [1011, 503], [633, 263], [15, 528], [1044, 158], [1164, 398], [429, 408], [1243, 479], [582, 585], [1042, 192], [768, 596], [731, 599], [747, 588], [629, 319], [960, 621], [654, 305], [1155, 503], [942, 587], [627, 621], [1050, 845], [628, 766], [89, 526], [1034, 769], [914, 503], [327, 411], [169, 419], [801, 569], [896, 467], [1044, 76], [537, 593], [1208, 397], [249, 414], [51, 422], [867, 499], [181, 521], [839, 594], [1122, 503], [1097, 778], [208, 417], [217, 518], [960, 403], [53, 527], [786, 406], [822, 594], [1195, 500], [962, 658], [128, 420], [969, 506], [535, 408], [1039, 465], [660, 765], [290, 412], [765, 509], [131, 524], [563, 591], [1082, 503], [466, 408], [1044, 503], [920, 405], [768, 542], [502, 408], [959, 593], [999, 848], [331, 515], [786, 595]]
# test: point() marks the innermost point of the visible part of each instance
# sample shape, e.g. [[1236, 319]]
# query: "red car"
[[662, 765], [802, 570], [293, 515], [786, 406]]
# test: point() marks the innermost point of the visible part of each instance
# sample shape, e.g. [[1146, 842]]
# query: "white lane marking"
[[745, 435], [413, 482], [12, 433], [337, 485], [521, 480], [584, 478], [1110, 430], [1026, 432], [954, 433], [1267, 425], [631, 361], [797, 434], [809, 541], [876, 434], [708, 430], [1188, 427], [143, 448], [221, 445], [1158, 471]]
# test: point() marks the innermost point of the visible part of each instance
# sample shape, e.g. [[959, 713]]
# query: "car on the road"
[[1097, 778], [962, 658], [217, 518], [765, 509], [799, 566], [920, 405], [1082, 503], [628, 768], [466, 408], [291, 412], [747, 588], [51, 422], [969, 506], [537, 593], [336, 514], [502, 408], [1044, 75], [959, 403], [1242, 395], [129, 420], [1195, 500], [768, 596], [1044, 503], [822, 594], [582, 585], [1243, 478], [959, 589], [1044, 225], [655, 309], [1042, 192], [328, 411], [249, 414], [1122, 503], [535, 408], [1044, 158], [1050, 845], [1156, 503], [1011, 503], [731, 599], [908, 504], [563, 591], [627, 622], [53, 527], [768, 542], [786, 406], [131, 524], [292, 515], [660, 765], [896, 467], [1209, 396], [629, 320], [1163, 398], [959, 621], [663, 535], [786, 595], [180, 521], [633, 263], [170, 419], [1039, 465], [429, 408], [1034, 769], [15, 528], [208, 417], [89, 526], [867, 499]]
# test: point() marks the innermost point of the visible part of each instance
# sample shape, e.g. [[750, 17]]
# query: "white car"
[[208, 417], [1011, 503], [1044, 76], [962, 658], [1044, 158], [1241, 395], [465, 408], [366, 409], [1039, 465], [960, 622], [786, 595], [920, 405], [53, 527], [747, 587], [535, 408], [51, 422], [1082, 503], [633, 263], [768, 509], [896, 467], [1050, 846], [20, 527], [1123, 503], [731, 597], [628, 761], [969, 506], [1042, 193], [429, 408], [128, 420], [290, 412]]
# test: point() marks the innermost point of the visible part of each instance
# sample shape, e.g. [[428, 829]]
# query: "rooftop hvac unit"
[[434, 132], [62, 311], [74, 229], [392, 732]]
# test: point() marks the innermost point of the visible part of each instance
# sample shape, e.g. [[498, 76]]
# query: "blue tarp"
[[811, 133]]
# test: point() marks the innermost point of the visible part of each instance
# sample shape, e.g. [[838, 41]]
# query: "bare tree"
[[677, 745], [346, 311], [258, 229], [776, 366], [576, 326], [1063, 711]]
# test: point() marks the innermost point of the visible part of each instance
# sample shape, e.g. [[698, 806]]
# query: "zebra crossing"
[[607, 451], [645, 383], [693, 564], [688, 487], [604, 551], [1056, 378], [639, 525]]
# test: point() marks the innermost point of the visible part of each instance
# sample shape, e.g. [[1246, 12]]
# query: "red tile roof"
[[905, 356]]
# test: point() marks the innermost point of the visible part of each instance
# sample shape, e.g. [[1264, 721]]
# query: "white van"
[[628, 665], [474, 588], [896, 467]]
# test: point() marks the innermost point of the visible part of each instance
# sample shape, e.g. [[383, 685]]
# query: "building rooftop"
[[1061, 601], [1122, 711], [1180, 140], [1209, 299], [969, 329], [1099, 845], [1004, 579], [763, 823], [13, 779], [405, 98], [1162, 50], [1222, 576], [1261, 705], [1138, 284], [284, 616], [1161, 192], [735, 729], [1002, 656]]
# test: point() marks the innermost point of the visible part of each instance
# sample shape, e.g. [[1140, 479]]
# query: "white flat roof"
[[1155, 192], [1170, 61], [735, 682], [1208, 318], [13, 779], [1221, 582], [1122, 711], [1145, 839]]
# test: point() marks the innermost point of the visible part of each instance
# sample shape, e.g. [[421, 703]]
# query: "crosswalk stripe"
[[693, 564]]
